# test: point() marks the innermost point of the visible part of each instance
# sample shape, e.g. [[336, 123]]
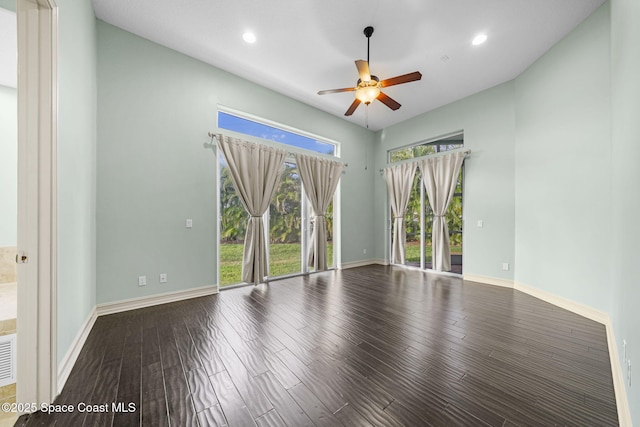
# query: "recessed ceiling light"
[[249, 37], [479, 39]]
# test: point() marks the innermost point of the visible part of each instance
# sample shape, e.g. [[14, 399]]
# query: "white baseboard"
[[575, 307], [353, 264], [69, 359], [624, 415], [505, 283], [151, 300]]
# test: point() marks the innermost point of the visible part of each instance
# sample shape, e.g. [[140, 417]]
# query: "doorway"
[[288, 220], [8, 206], [37, 97], [419, 215]]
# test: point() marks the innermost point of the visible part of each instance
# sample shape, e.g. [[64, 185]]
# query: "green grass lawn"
[[413, 252], [284, 258]]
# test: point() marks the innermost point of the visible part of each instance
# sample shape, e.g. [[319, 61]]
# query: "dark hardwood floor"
[[375, 345]]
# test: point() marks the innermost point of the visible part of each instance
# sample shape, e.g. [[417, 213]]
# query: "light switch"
[[480, 223], [189, 223]]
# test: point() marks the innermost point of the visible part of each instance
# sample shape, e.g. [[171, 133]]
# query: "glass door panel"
[[285, 225], [412, 220], [233, 226], [329, 223]]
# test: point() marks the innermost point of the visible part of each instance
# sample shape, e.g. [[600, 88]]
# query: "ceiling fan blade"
[[405, 78], [389, 102], [363, 70], [346, 89], [353, 107]]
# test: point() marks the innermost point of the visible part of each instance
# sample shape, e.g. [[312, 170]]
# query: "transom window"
[[283, 136], [424, 149]]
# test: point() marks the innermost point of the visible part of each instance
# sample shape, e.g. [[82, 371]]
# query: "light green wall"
[[625, 84], [8, 4], [76, 168], [155, 107], [487, 119], [563, 167], [8, 166]]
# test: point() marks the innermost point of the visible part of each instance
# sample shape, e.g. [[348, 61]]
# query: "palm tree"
[[233, 218], [285, 210]]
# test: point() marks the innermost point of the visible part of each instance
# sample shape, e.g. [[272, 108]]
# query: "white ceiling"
[[8, 49], [306, 46]]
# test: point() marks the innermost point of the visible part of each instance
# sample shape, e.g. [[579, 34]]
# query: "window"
[[419, 216], [288, 217], [424, 149], [261, 130]]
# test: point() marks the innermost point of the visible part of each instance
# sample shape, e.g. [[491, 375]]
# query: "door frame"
[[37, 200]]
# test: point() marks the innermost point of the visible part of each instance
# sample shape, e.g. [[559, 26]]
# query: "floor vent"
[[7, 359]]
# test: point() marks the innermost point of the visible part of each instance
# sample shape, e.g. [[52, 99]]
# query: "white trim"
[[37, 200], [151, 300], [70, 358], [354, 264], [505, 283], [624, 415], [575, 307]]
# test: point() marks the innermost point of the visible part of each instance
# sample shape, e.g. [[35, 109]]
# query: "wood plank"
[[376, 345]]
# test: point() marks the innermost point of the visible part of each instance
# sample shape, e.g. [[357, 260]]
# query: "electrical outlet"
[[188, 223], [142, 280], [163, 277], [364, 251], [480, 223], [505, 266]]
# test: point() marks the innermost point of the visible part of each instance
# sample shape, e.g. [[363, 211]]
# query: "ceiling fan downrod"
[[368, 31]]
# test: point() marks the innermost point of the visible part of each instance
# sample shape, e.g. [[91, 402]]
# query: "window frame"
[[283, 127], [423, 196], [305, 232]]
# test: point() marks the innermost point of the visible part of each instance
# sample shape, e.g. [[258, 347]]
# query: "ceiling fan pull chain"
[[366, 116]]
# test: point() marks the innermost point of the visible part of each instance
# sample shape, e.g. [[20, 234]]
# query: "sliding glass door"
[[288, 218], [419, 215], [286, 224]]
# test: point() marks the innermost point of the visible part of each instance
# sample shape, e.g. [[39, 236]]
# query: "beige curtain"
[[320, 179], [255, 171], [440, 175], [399, 182]]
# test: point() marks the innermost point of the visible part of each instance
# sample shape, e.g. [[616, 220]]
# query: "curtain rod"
[[467, 152], [289, 153]]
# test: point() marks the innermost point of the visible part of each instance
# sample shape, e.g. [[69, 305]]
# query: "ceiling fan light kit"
[[368, 91], [368, 87]]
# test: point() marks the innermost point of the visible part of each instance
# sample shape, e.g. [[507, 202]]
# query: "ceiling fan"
[[368, 86]]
